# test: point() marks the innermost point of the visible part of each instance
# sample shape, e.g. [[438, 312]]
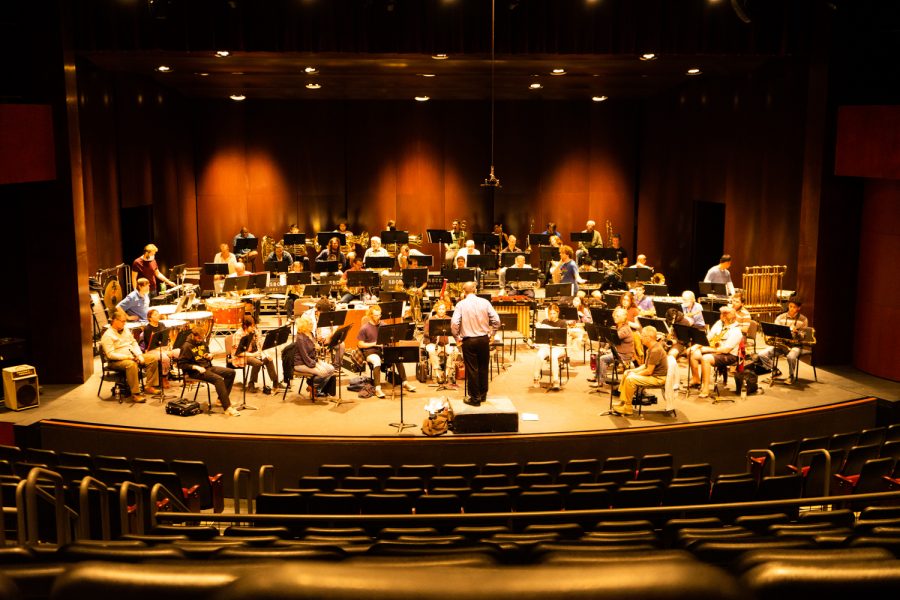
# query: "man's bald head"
[[469, 287]]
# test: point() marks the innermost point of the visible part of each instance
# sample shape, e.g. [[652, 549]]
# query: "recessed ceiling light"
[[425, 74], [222, 53], [238, 97], [310, 70], [694, 71], [648, 56], [313, 86], [202, 74], [164, 68], [422, 98], [558, 72], [600, 98], [535, 86], [441, 56]]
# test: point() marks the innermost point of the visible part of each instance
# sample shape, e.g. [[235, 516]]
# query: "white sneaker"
[[232, 412], [378, 392], [408, 387], [537, 383]]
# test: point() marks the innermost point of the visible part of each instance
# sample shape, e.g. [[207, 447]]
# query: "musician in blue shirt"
[[137, 303]]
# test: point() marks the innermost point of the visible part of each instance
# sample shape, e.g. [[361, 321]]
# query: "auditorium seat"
[[587, 499], [386, 504], [76, 459], [333, 504], [843, 441], [679, 494], [479, 482], [324, 483], [527, 480], [761, 523], [591, 465], [209, 487], [551, 467], [467, 470], [754, 558], [435, 504], [656, 460], [337, 471], [616, 463], [380, 472], [574, 478], [487, 502], [779, 487], [530, 501], [41, 456], [280, 503], [509, 469], [111, 462], [426, 472], [873, 436], [694, 470], [823, 579]]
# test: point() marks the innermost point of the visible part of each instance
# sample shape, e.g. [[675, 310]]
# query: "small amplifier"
[[20, 387]]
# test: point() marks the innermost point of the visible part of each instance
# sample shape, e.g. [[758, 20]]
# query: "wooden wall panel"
[[868, 144]]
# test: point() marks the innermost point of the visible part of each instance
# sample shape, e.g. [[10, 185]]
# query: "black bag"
[[358, 383], [287, 360], [422, 371], [746, 377], [183, 408], [325, 386]]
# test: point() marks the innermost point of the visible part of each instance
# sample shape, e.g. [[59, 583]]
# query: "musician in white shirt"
[[468, 249], [375, 248], [123, 353], [725, 339]]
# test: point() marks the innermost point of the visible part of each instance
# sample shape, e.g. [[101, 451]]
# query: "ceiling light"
[[648, 56], [439, 56], [425, 74], [310, 70], [238, 97], [535, 86], [694, 71], [313, 86], [222, 53], [422, 98], [600, 98], [558, 72], [202, 74], [237, 73], [164, 68]]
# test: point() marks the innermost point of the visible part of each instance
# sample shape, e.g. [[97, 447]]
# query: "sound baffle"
[[20, 387]]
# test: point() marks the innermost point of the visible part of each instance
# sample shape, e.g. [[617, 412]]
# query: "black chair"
[[380, 472], [333, 504], [435, 504], [591, 465], [324, 483], [210, 487], [875, 435], [779, 487], [42, 456], [637, 496], [426, 472], [361, 483], [447, 481], [488, 502], [823, 579], [111, 462], [663, 474], [695, 470], [480, 482], [680, 494], [510, 469], [574, 478], [656, 460], [616, 463], [551, 467], [337, 471], [404, 482], [10, 453], [386, 504], [843, 441], [527, 480], [785, 453], [76, 459], [170, 480], [531, 501], [618, 476], [72, 474], [115, 476], [732, 490], [467, 470], [139, 465]]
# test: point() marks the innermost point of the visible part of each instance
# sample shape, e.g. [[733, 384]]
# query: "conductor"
[[473, 325]]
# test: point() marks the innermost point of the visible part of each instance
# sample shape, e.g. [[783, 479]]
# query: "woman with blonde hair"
[[305, 361]]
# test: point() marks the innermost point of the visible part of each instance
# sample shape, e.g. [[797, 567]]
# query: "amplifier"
[[20, 387]]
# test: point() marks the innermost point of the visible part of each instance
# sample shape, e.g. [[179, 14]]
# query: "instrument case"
[[183, 408]]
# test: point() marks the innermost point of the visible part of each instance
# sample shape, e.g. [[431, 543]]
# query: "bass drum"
[[226, 312]]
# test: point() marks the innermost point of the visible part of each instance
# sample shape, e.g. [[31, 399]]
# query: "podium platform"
[[497, 414]]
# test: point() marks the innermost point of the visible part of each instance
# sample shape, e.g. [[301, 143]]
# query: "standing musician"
[[123, 353], [720, 274], [724, 343], [440, 347], [375, 248], [333, 252], [652, 373], [354, 293], [566, 271], [624, 347], [145, 266], [596, 242], [367, 340], [474, 323], [279, 255], [306, 362], [137, 302], [551, 231], [524, 288], [253, 356], [692, 310], [196, 359], [798, 324], [458, 235], [621, 254], [544, 351], [246, 256], [152, 358]]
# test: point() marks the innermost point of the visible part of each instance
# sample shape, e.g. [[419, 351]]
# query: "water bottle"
[[744, 392], [117, 392]]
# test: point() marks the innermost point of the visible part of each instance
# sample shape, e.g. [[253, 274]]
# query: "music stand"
[[276, 266], [323, 237], [325, 266], [317, 290], [337, 338], [424, 260], [584, 237], [553, 337], [486, 240], [378, 262], [258, 281], [394, 237], [636, 274], [159, 340], [603, 254], [602, 317], [485, 262], [332, 279], [538, 239], [611, 336], [440, 237], [662, 307], [414, 278], [710, 317], [549, 253], [295, 239], [215, 269], [592, 277], [460, 275], [708, 288], [245, 244], [558, 290], [567, 312], [508, 259], [391, 310], [436, 329], [389, 335], [778, 332], [659, 324], [235, 284], [301, 278], [393, 356], [656, 289], [690, 336], [242, 347]]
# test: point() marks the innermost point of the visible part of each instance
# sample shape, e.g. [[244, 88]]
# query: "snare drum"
[[226, 311], [203, 318]]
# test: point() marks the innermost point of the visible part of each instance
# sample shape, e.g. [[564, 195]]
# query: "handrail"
[[84, 508], [20, 514], [31, 493], [563, 515], [241, 474], [827, 488], [769, 454], [154, 507], [124, 490], [267, 479]]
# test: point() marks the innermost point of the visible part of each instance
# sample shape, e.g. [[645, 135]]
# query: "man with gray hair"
[[724, 344], [473, 325], [651, 373], [584, 248]]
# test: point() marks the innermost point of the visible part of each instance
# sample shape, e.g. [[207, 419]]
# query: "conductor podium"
[[496, 415]]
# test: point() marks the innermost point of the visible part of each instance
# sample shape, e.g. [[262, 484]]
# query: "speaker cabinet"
[[20, 387]]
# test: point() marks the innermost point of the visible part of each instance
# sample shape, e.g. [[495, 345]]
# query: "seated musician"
[[297, 251], [692, 310], [152, 358], [306, 361], [577, 334], [725, 339], [403, 257], [333, 252], [367, 340], [643, 303], [415, 294], [651, 373], [615, 241], [123, 353], [513, 288], [498, 231], [136, 304], [798, 323], [510, 245], [625, 347], [227, 257], [467, 250], [584, 249], [552, 232], [253, 356], [375, 248], [545, 351], [294, 291], [195, 360], [743, 315], [322, 335], [676, 317], [354, 293], [246, 256], [720, 274], [279, 255], [454, 290], [641, 262], [440, 347]]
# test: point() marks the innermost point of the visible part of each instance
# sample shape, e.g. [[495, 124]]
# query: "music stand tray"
[[414, 278], [508, 259], [584, 237], [235, 284], [157, 342], [302, 278], [276, 266], [394, 237], [708, 288], [439, 236], [215, 268], [538, 239], [460, 275], [391, 310], [326, 266], [317, 290]]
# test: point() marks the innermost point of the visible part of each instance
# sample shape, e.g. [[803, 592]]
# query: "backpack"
[[287, 360], [746, 377]]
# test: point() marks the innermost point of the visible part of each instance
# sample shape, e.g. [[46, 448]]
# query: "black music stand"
[[393, 356], [378, 262], [516, 275], [609, 254], [394, 237], [584, 237], [549, 253], [658, 323], [368, 279], [276, 266], [592, 277], [777, 332], [317, 290], [690, 336], [567, 312], [295, 239], [323, 237], [485, 262], [460, 275], [436, 329], [158, 341], [710, 317], [538, 239], [636, 274], [325, 266], [602, 317], [258, 281], [301, 278], [558, 290], [708, 288], [275, 338], [215, 269], [242, 347], [611, 336], [662, 307], [235, 284], [553, 337], [245, 244], [337, 338], [414, 278], [656, 289], [486, 240], [440, 237], [508, 259], [424, 260], [390, 310]]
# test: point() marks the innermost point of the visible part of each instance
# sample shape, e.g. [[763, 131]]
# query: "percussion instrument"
[[252, 297], [112, 295], [226, 311], [165, 309], [203, 318], [521, 309]]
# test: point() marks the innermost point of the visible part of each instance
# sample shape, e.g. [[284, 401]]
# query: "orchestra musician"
[[651, 373], [643, 303], [196, 360], [253, 356], [343, 227], [596, 242], [297, 251], [375, 248], [403, 257], [498, 231], [322, 335], [692, 310], [415, 294], [551, 231], [724, 338], [673, 317], [454, 290], [798, 324], [354, 293], [152, 358], [123, 353], [566, 271], [641, 261], [223, 256], [246, 256], [510, 245], [720, 274], [615, 241], [458, 236], [440, 347], [279, 255], [294, 291], [545, 351], [626, 301], [467, 250], [524, 288], [576, 332], [145, 266], [624, 348], [306, 361], [367, 340], [743, 315], [333, 252], [136, 304]]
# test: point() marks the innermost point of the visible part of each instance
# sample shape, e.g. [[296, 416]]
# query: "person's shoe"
[[537, 383], [150, 390], [592, 380], [554, 386], [704, 394], [409, 387], [267, 390], [378, 392], [232, 412], [694, 386], [138, 398], [472, 401], [438, 376], [252, 389], [615, 392]]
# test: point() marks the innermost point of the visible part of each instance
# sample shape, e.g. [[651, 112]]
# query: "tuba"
[[415, 240], [266, 247], [658, 279]]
